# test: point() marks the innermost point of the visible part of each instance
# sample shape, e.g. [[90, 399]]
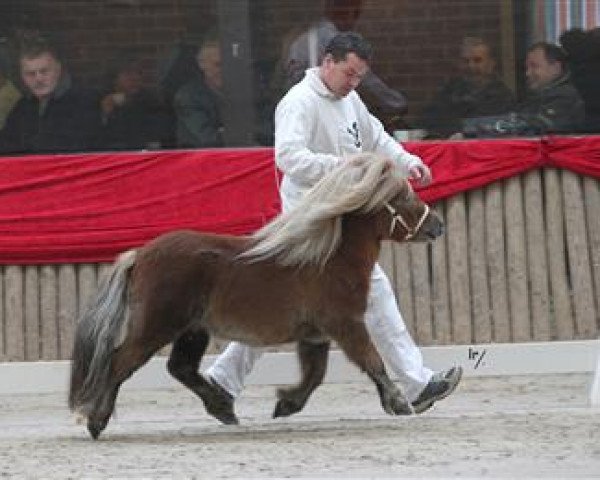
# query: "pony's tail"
[[101, 328]]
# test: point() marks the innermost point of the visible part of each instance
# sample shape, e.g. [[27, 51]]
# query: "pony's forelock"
[[311, 232]]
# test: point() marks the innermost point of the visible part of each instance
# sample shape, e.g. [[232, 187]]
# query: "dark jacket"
[[69, 122], [583, 49], [460, 98], [198, 111], [143, 121], [557, 107]]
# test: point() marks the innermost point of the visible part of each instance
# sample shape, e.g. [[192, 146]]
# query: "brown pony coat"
[[185, 286]]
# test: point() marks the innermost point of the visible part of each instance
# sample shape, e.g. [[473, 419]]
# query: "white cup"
[[401, 135], [119, 98], [417, 134], [409, 135]]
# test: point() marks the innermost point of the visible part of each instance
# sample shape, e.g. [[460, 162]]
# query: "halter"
[[397, 218]]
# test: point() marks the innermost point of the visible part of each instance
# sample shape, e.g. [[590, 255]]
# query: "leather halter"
[[397, 218]]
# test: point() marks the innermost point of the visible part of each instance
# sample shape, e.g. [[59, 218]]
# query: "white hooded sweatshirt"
[[315, 130]]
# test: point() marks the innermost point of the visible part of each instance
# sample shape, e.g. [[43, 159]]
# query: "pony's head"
[[369, 182], [409, 218], [364, 184]]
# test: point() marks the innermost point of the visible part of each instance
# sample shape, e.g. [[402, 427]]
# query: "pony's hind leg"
[[126, 360], [98, 419], [183, 364], [313, 361], [354, 340]]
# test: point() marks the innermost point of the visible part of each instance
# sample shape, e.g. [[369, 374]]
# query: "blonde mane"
[[311, 232]]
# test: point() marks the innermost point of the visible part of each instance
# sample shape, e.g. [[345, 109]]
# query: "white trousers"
[[385, 326]]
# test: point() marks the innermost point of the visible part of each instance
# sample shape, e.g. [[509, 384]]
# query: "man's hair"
[[553, 53], [471, 42], [32, 45], [210, 38], [349, 42]]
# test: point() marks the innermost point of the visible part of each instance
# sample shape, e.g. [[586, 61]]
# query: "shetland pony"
[[302, 278]]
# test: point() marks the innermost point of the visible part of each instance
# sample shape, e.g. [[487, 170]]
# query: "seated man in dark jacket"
[[553, 104], [53, 115], [133, 116], [477, 92], [583, 51], [199, 103]]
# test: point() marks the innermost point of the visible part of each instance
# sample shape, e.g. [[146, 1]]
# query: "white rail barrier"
[[281, 367]]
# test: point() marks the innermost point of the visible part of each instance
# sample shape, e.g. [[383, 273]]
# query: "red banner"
[[90, 207], [458, 166], [580, 155]]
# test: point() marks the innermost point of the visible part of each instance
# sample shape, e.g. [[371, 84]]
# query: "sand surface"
[[510, 427]]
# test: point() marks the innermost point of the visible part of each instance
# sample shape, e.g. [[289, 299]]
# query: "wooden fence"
[[520, 261]]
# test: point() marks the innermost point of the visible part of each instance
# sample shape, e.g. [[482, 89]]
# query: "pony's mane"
[[311, 232]]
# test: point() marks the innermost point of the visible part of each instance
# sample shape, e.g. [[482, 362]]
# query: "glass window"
[[92, 75]]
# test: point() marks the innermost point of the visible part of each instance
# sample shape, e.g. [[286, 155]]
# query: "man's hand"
[[421, 174]]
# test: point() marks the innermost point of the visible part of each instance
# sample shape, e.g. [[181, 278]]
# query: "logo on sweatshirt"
[[354, 132]]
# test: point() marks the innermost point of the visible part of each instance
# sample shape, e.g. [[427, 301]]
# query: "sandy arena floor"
[[511, 427]]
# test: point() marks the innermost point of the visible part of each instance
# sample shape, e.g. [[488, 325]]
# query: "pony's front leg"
[[313, 361], [392, 399], [353, 338]]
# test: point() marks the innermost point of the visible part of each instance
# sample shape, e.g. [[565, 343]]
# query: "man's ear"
[[558, 68]]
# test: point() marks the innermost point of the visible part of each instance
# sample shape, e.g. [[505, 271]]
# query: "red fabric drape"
[[580, 155], [90, 207], [465, 165]]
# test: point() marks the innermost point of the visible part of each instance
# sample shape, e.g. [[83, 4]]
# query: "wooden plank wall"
[[520, 261]]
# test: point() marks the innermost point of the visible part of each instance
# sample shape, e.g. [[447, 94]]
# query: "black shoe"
[[219, 403], [440, 386]]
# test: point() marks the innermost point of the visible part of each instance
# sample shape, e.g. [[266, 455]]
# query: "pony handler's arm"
[[379, 141]]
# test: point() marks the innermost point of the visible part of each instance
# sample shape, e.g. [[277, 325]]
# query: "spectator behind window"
[[552, 103], [199, 103], [175, 69], [54, 115], [476, 91], [306, 51], [133, 117], [583, 57]]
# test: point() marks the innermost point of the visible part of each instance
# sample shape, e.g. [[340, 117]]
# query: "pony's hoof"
[[219, 403], [95, 428], [398, 406], [226, 417], [286, 407]]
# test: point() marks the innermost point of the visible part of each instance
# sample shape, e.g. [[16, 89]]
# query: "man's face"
[[209, 60], [344, 76], [539, 71], [129, 81], [41, 74], [477, 63]]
